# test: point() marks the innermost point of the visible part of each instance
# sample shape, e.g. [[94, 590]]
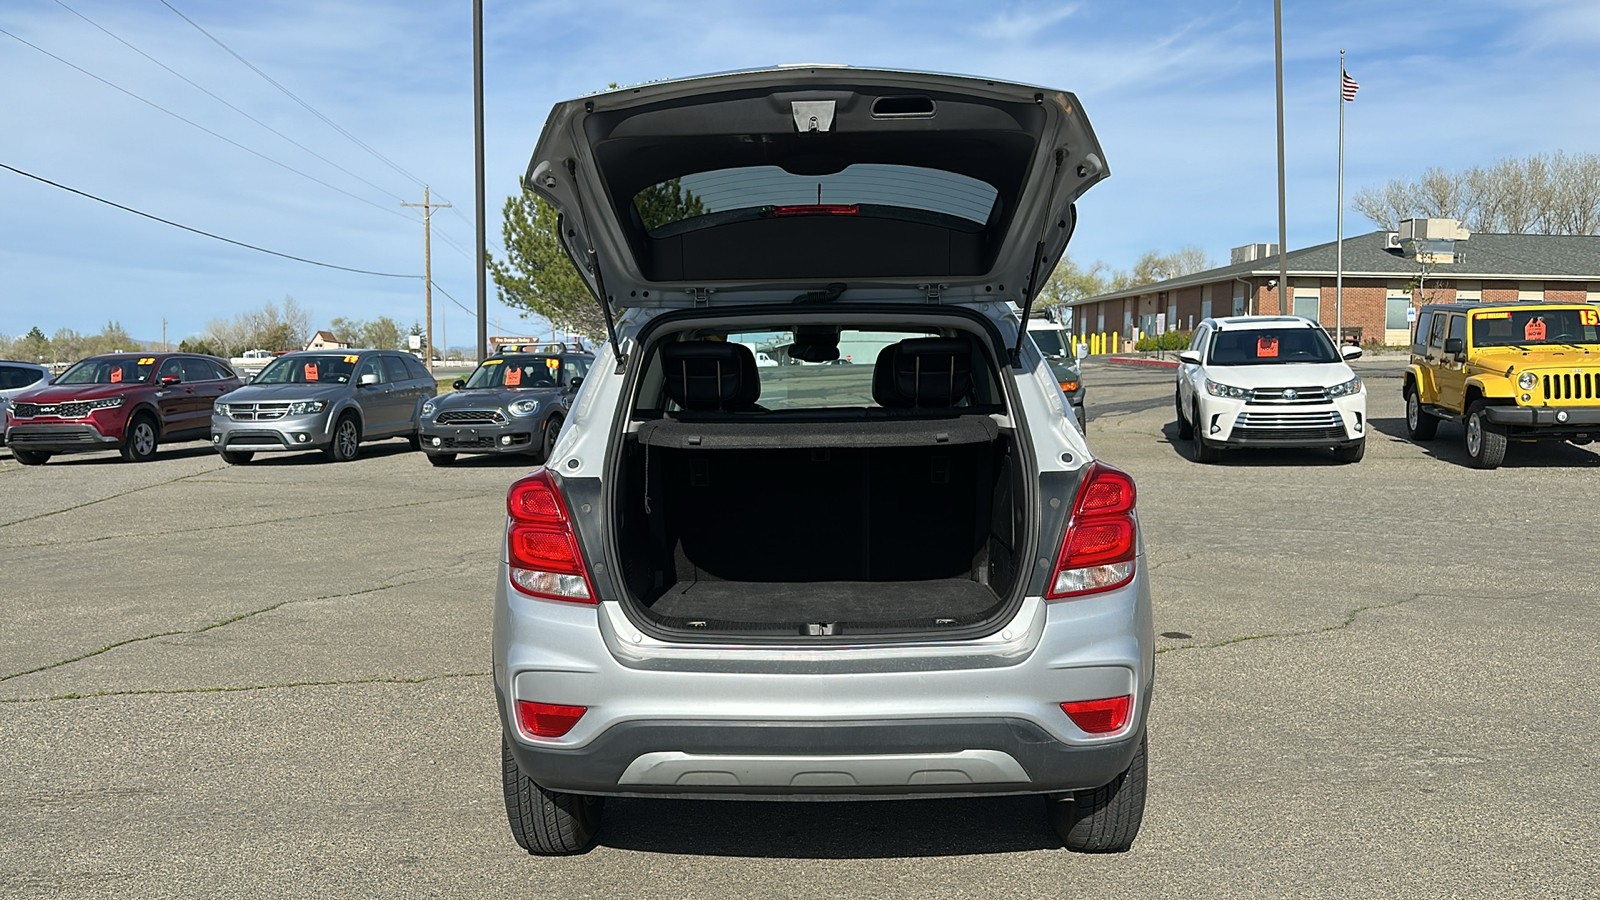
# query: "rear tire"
[[1351, 453], [30, 457], [546, 823], [1105, 819], [346, 441], [1420, 425], [1204, 451], [1185, 427], [237, 457], [1485, 441], [441, 459], [141, 440]]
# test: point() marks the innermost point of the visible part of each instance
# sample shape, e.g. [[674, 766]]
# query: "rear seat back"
[[711, 376], [923, 373]]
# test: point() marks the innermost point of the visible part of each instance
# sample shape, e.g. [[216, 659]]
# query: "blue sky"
[[1180, 93]]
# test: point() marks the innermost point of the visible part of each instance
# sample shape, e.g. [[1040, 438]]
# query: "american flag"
[[1347, 85]]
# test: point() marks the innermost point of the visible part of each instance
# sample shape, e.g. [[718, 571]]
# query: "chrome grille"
[[257, 412], [1572, 386], [1289, 396], [75, 409], [471, 417], [1289, 426]]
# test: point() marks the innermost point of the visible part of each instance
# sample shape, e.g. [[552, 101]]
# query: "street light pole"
[[477, 166], [1283, 216]]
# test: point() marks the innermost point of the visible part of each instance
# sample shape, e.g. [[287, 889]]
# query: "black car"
[[514, 403]]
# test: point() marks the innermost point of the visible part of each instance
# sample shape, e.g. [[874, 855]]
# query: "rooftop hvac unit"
[[1391, 241], [1432, 230], [1251, 253]]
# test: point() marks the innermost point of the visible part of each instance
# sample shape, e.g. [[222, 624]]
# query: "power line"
[[213, 96], [291, 95], [215, 237], [214, 134]]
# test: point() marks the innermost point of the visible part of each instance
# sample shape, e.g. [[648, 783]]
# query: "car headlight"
[[107, 403], [1527, 380], [1353, 386], [220, 409], [427, 408], [305, 407], [523, 407], [1217, 389]]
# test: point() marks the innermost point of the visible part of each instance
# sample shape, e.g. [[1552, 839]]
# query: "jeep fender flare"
[[1492, 389], [1411, 379]]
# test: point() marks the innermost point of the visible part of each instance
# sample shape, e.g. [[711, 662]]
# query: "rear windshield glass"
[[1512, 328], [861, 189], [332, 368], [12, 377], [1272, 346], [126, 370], [519, 372]]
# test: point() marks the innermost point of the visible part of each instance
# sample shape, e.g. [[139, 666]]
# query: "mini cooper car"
[[1507, 372], [326, 400], [1269, 381], [514, 402], [132, 402], [905, 577]]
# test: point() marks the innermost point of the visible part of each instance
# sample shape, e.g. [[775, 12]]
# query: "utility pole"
[[427, 266]]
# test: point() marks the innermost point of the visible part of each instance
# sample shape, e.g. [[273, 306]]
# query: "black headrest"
[[923, 372], [711, 375]]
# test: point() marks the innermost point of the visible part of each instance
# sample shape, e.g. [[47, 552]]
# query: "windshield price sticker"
[[1589, 316], [351, 359], [1498, 315], [1534, 330], [493, 362], [1266, 347], [552, 364], [147, 361], [513, 377], [311, 371], [116, 376]]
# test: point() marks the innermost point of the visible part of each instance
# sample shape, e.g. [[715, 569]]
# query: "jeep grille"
[[1572, 386]]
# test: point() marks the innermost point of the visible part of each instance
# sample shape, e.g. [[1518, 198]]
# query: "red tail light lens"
[[547, 720], [541, 545], [1099, 716], [1102, 537], [817, 209]]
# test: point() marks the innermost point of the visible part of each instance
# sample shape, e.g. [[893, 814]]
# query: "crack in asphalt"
[[88, 503], [1349, 620], [230, 689], [253, 523], [388, 584]]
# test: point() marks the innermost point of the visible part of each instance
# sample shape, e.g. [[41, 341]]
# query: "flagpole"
[[1338, 272]]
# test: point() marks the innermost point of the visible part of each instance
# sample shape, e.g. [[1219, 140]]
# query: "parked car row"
[[327, 401]]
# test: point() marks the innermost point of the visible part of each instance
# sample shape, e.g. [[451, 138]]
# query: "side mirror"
[[1192, 357], [458, 384], [577, 381], [1350, 352], [170, 380], [368, 379], [1454, 345]]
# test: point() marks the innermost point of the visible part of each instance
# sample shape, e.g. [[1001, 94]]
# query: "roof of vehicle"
[[19, 362], [1238, 322], [1468, 305]]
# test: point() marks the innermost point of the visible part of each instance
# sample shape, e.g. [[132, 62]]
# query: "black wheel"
[[1351, 453], [1204, 450], [30, 457], [441, 459], [1185, 427], [552, 428], [237, 457], [415, 440], [544, 822], [141, 439], [1420, 425], [1485, 441], [346, 440], [1105, 819]]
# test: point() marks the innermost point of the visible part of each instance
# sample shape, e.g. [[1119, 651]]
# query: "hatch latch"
[[813, 115]]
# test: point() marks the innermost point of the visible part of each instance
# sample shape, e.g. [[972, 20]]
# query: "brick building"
[[1385, 275]]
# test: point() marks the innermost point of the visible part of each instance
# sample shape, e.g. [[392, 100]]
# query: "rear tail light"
[[548, 720], [1102, 537], [1099, 716], [817, 209], [540, 544]]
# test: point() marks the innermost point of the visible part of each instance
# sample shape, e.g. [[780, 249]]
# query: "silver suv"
[[906, 577], [327, 400]]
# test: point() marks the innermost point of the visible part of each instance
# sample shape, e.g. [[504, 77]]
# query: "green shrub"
[[1147, 343]]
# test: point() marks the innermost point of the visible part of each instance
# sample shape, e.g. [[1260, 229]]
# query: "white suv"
[[905, 577], [1269, 381]]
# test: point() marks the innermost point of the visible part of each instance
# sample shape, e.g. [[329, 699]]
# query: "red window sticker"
[[513, 376], [116, 375], [1534, 330], [311, 371], [1266, 347]]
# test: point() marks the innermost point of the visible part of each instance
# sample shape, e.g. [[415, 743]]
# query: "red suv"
[[124, 401]]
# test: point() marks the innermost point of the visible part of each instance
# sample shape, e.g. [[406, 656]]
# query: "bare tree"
[[1555, 194]]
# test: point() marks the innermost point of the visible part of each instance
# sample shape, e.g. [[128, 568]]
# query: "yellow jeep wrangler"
[[1516, 371]]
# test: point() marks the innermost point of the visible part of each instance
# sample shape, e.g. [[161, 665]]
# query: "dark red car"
[[120, 401]]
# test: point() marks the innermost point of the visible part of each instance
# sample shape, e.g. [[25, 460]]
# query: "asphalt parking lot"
[[271, 680]]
